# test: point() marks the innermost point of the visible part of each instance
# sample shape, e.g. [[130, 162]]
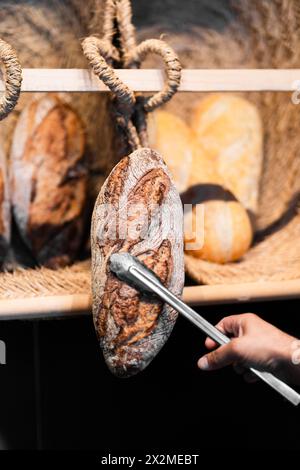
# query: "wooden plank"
[[150, 80], [72, 305], [44, 307]]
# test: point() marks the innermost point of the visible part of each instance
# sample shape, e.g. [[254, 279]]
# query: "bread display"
[[5, 217], [229, 130], [216, 163], [49, 180], [139, 211]]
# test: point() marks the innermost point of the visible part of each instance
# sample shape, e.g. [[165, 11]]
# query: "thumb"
[[221, 357]]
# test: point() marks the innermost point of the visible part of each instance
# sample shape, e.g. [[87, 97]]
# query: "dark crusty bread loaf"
[[49, 179], [5, 217], [131, 328], [48, 34]]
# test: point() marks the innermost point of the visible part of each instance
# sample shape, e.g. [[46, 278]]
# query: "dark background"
[[56, 392]]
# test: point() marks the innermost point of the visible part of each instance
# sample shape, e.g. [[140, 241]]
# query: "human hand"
[[255, 343]]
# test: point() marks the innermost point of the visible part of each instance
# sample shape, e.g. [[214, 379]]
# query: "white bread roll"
[[229, 130], [173, 139]]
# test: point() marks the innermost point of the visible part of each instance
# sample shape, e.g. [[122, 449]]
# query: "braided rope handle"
[[173, 70], [127, 30], [101, 53], [96, 51], [108, 20], [13, 79]]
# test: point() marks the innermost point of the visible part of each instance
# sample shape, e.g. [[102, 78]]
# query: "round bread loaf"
[[217, 226]]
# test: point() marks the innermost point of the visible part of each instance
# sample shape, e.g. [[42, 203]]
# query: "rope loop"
[[96, 50], [108, 21], [101, 53], [13, 79], [127, 30], [173, 70]]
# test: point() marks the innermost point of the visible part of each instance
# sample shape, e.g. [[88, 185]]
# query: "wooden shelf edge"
[[80, 304], [150, 80]]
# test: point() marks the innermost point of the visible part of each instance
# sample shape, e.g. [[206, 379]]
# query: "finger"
[[231, 324], [210, 343], [221, 357]]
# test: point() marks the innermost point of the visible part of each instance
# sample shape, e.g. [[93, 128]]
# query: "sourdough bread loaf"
[[48, 34], [138, 210], [49, 179]]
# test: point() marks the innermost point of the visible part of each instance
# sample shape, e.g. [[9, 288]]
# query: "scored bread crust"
[[49, 179], [131, 327]]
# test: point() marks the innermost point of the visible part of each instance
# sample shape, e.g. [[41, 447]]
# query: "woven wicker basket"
[[249, 34], [222, 34]]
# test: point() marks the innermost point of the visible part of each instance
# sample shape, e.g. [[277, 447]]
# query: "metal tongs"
[[132, 271]]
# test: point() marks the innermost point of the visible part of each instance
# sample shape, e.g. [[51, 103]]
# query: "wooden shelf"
[[151, 80], [147, 80], [74, 305]]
